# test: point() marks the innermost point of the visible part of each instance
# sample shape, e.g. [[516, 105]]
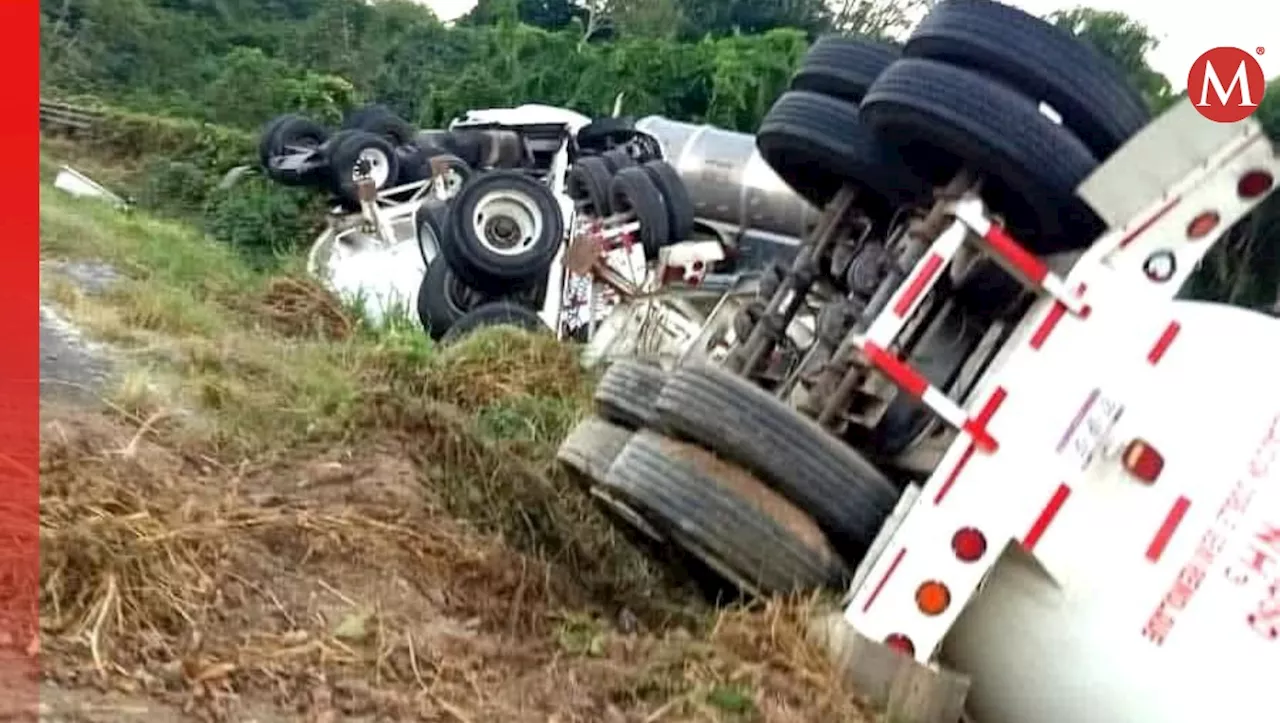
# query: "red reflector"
[[901, 643], [1254, 184], [1201, 225], [1142, 461], [969, 544]]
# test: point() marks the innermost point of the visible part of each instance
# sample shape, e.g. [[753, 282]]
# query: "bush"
[[174, 188], [261, 218], [133, 136]]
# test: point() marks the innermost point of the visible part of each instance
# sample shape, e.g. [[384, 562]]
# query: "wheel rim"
[[447, 183], [373, 164], [460, 296], [428, 243], [507, 223], [321, 254]]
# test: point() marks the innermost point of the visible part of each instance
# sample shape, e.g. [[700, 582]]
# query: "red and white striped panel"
[[914, 383], [1010, 254], [886, 327]]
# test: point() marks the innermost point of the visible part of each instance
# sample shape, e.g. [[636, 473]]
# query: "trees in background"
[[1126, 42], [182, 57], [239, 61]]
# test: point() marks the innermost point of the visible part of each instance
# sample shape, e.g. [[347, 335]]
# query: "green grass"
[[197, 313]]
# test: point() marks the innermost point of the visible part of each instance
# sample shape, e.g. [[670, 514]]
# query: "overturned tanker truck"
[[1048, 482]]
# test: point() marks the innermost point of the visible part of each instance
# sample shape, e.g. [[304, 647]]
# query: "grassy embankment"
[[280, 505]]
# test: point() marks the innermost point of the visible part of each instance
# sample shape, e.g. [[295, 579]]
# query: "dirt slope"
[[268, 513]]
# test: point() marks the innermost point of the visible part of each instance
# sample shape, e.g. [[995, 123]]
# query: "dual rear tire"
[[966, 90], [675, 474], [652, 192]]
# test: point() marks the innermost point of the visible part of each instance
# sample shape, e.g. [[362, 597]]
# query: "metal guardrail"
[[64, 116]]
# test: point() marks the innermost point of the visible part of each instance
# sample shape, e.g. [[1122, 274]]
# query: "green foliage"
[[175, 187], [222, 63], [213, 148], [321, 96], [749, 73], [1126, 42], [262, 218]]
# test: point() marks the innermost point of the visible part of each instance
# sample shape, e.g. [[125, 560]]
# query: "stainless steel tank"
[[729, 182]]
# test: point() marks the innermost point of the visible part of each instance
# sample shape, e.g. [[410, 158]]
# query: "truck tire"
[[587, 454], [382, 121], [503, 149], [433, 141], [818, 144], [1044, 62], [632, 191], [350, 151], [590, 450], [588, 181], [675, 195], [266, 140], [944, 117], [443, 300], [600, 131], [429, 219], [618, 159], [412, 160], [844, 67], [467, 144], [721, 514], [844, 493], [494, 313], [354, 117], [282, 136], [505, 228], [628, 391]]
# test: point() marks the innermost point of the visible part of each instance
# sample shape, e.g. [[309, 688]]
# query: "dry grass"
[[300, 307], [284, 506], [317, 582]]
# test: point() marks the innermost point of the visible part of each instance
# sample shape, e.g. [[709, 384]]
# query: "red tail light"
[[969, 544], [1254, 184], [1142, 461], [901, 643], [1201, 225]]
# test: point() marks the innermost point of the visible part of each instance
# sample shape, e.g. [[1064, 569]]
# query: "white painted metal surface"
[[382, 281], [527, 114], [372, 259], [1100, 597], [77, 184]]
